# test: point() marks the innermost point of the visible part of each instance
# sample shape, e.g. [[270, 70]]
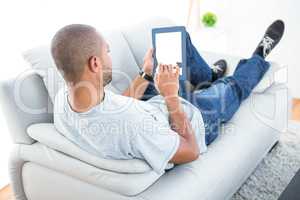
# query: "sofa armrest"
[[24, 101], [122, 183], [46, 134]]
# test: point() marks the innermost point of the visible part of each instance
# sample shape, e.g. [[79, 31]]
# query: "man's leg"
[[198, 70], [200, 75], [219, 102]]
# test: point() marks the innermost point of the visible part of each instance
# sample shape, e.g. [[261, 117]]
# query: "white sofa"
[[46, 166]]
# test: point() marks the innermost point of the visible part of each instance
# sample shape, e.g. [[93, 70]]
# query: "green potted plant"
[[209, 19]]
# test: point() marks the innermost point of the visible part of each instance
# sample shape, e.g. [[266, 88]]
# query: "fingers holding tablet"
[[168, 68]]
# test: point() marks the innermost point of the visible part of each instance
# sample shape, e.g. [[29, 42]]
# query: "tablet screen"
[[168, 47]]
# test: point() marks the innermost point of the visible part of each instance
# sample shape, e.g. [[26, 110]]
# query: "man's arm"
[[168, 84], [136, 88], [139, 84]]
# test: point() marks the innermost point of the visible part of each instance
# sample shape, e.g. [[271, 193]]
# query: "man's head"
[[81, 54]]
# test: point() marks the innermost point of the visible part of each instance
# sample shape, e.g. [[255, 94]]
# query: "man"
[[164, 130]]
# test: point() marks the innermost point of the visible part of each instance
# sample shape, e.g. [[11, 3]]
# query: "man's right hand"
[[167, 80]]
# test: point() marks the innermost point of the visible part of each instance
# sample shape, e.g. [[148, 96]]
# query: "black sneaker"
[[219, 69], [271, 38]]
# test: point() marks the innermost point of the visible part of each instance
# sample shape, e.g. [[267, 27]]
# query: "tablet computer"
[[169, 45]]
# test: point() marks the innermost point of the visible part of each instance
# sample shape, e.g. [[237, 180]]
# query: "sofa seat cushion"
[[230, 159]]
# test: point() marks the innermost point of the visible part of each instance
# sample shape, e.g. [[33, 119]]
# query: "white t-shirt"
[[125, 128]]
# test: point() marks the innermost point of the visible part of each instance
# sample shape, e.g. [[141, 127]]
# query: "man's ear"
[[94, 64]]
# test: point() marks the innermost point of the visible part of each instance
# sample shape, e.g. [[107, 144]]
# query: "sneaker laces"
[[216, 69], [267, 44]]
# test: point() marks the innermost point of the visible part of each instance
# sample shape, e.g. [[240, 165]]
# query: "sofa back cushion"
[[139, 38], [42, 63], [124, 66]]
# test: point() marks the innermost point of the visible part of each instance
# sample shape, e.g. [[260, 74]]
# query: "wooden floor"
[[296, 110], [6, 193]]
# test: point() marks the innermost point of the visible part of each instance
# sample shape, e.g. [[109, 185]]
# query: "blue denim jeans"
[[221, 100]]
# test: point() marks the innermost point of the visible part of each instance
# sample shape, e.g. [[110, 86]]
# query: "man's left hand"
[[148, 62]]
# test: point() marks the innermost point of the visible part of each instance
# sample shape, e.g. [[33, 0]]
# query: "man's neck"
[[82, 99]]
